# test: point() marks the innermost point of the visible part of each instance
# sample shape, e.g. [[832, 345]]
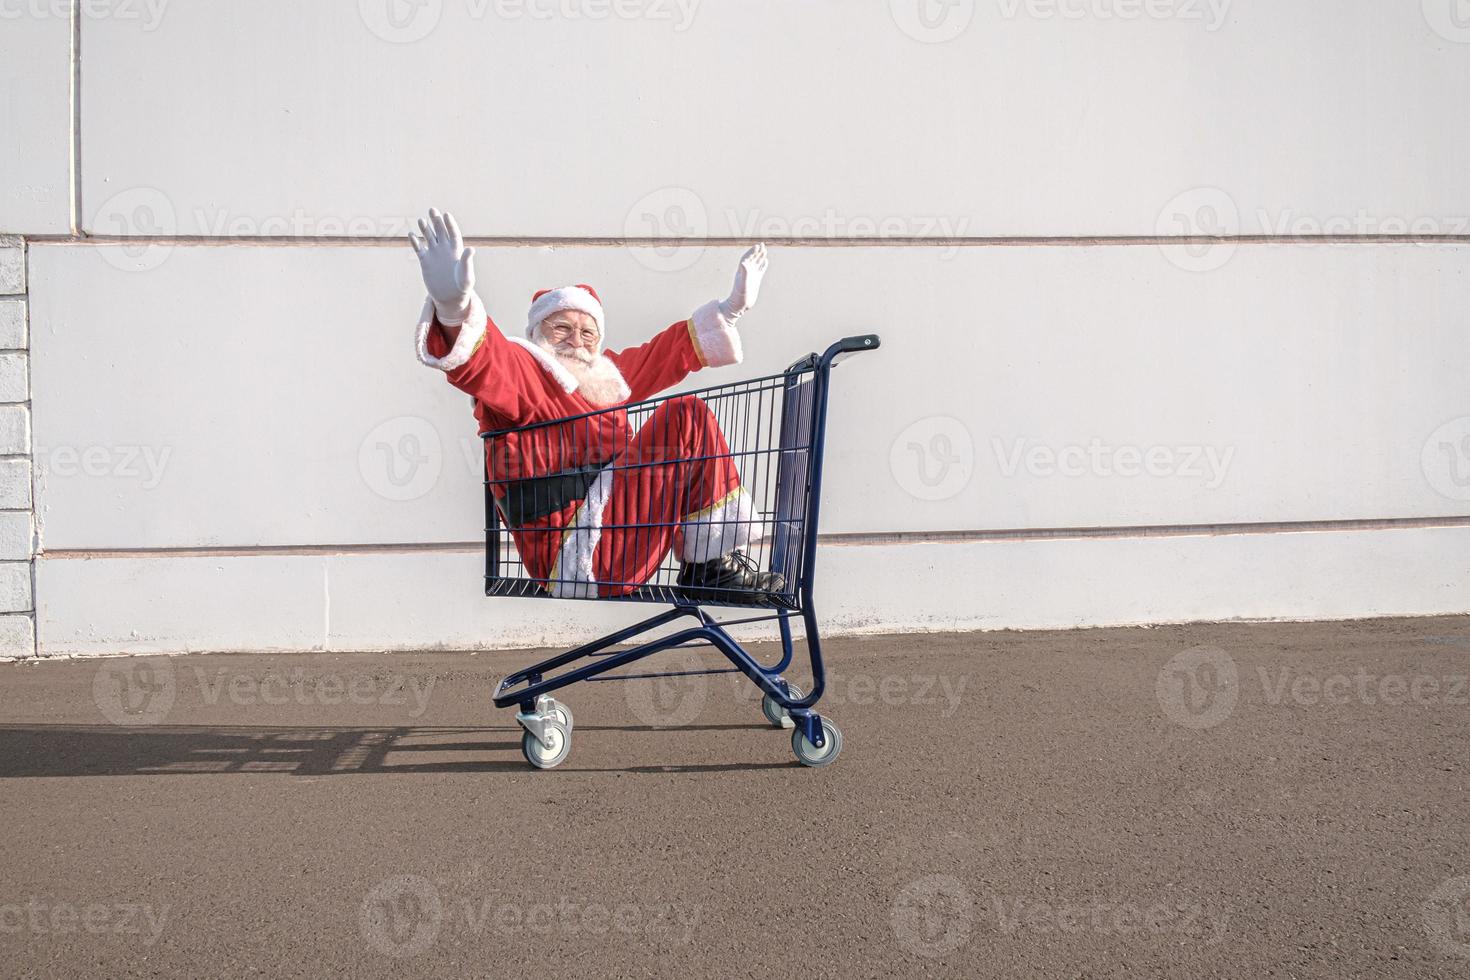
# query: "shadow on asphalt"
[[178, 750]]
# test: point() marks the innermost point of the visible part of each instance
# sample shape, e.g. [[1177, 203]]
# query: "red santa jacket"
[[514, 383]]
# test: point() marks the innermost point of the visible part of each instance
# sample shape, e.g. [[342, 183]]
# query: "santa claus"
[[593, 505]]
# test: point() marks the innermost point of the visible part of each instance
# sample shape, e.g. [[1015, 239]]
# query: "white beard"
[[598, 379]]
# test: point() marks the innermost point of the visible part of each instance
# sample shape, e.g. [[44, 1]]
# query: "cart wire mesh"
[[613, 503]]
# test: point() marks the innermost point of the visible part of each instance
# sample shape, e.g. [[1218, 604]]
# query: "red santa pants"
[[676, 486]]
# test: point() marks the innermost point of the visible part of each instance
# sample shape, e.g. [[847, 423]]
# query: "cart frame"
[[547, 722]]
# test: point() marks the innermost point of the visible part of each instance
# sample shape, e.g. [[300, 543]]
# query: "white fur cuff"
[[715, 339], [471, 332], [716, 531]]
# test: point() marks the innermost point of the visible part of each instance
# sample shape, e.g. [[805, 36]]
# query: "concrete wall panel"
[[820, 119], [376, 602], [249, 396], [35, 117]]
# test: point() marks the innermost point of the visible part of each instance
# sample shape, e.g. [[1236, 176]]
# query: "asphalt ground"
[[1236, 800]]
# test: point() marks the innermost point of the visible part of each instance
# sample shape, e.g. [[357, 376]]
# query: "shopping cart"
[[623, 471]]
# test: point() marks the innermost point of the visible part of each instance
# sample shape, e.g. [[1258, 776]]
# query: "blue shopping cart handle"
[[850, 345]]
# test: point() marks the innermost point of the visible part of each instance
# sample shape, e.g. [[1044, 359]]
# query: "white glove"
[[448, 267], [747, 283]]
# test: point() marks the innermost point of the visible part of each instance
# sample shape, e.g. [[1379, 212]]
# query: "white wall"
[[223, 376], [1020, 125], [35, 118]]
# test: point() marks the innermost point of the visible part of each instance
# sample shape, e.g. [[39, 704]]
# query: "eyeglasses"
[[561, 331]]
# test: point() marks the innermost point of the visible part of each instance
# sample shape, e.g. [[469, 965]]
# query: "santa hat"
[[548, 301]]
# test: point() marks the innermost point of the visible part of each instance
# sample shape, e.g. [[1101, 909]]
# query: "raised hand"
[[747, 282], [447, 266]]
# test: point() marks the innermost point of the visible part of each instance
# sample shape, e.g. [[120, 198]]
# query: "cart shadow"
[[180, 750]]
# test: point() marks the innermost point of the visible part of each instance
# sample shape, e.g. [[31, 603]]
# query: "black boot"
[[732, 578]]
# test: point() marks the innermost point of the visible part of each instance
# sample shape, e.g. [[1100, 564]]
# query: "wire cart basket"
[[614, 504]]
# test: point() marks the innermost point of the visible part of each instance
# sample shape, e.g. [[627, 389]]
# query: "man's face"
[[571, 333]]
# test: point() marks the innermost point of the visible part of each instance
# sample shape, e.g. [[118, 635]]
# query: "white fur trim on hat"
[[564, 298], [471, 332]]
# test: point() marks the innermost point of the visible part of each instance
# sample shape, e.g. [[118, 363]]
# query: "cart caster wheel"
[[560, 712], [808, 754], [544, 756], [775, 714]]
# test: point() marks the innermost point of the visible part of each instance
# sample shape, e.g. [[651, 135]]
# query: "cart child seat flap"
[[792, 469]]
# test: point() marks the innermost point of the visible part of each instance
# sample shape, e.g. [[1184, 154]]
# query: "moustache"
[[579, 354]]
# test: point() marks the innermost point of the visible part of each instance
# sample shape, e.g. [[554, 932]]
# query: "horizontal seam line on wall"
[[867, 241], [838, 539]]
